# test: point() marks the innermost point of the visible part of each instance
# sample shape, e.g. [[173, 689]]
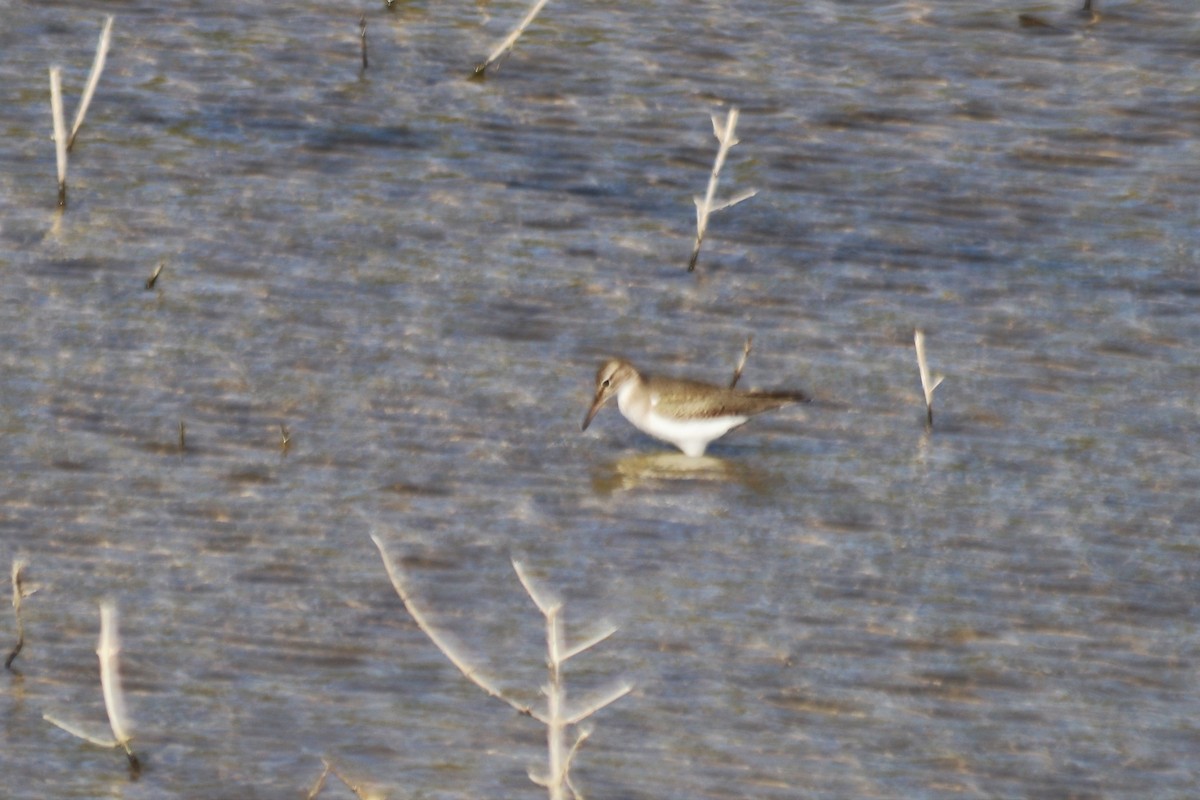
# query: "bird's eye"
[[605, 383]]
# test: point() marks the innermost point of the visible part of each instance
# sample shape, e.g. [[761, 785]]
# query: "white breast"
[[691, 436]]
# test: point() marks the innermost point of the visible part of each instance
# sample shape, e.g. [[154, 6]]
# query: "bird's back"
[[682, 398]]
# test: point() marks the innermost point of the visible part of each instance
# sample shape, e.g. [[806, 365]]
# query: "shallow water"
[[417, 275]]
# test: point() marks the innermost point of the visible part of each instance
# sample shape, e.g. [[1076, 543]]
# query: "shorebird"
[[688, 414]]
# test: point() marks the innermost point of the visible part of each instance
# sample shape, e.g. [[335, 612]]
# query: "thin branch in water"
[[584, 733], [588, 644], [741, 365], [724, 131], [182, 436], [927, 384], [545, 603], [19, 592], [510, 40], [598, 702], [93, 78], [470, 672], [153, 279], [285, 442], [60, 133], [362, 35], [98, 739], [320, 782], [359, 790], [108, 648]]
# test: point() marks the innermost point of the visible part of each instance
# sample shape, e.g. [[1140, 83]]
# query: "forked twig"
[[63, 142], [724, 131], [927, 384], [557, 780], [557, 717], [510, 40], [107, 650]]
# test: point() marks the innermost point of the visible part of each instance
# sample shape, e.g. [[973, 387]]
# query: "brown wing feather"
[[695, 399]]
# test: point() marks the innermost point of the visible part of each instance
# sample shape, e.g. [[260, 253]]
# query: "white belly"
[[691, 436]]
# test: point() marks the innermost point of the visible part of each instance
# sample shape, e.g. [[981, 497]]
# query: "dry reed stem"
[[320, 782], [108, 649], [153, 279], [927, 384], [510, 40], [362, 35], [19, 593], [470, 672], [93, 78], [741, 365], [60, 133]]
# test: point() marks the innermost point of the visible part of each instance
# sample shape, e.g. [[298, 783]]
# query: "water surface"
[[418, 274]]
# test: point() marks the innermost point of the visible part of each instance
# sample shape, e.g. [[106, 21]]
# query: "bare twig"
[[557, 779], [597, 702], [60, 133], [724, 131], [588, 644], [108, 648], [362, 35], [285, 438], [927, 384], [741, 365], [470, 672], [510, 40], [182, 436], [545, 603], [320, 782], [93, 78], [19, 592], [579, 740], [98, 739], [153, 279]]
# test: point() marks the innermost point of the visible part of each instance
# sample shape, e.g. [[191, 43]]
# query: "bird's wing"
[[684, 399]]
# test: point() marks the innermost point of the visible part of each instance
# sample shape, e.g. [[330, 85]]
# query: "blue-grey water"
[[418, 274]]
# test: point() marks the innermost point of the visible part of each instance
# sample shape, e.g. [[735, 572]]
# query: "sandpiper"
[[688, 414]]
